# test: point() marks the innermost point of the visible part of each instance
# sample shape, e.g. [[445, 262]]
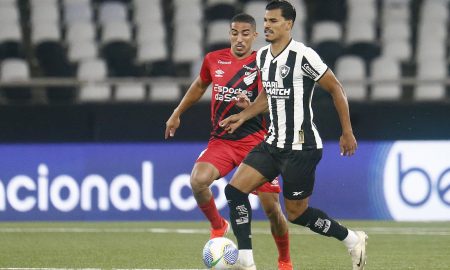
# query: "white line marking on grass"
[[26, 268], [299, 231], [50, 268]]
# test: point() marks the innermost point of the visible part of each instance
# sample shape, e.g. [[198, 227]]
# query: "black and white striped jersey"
[[288, 80]]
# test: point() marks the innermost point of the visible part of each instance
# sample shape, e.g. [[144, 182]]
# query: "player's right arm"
[[194, 93], [260, 105]]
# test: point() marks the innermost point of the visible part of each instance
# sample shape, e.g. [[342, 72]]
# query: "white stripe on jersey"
[[281, 122], [291, 110]]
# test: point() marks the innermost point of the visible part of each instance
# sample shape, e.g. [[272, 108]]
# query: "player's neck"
[[278, 46]]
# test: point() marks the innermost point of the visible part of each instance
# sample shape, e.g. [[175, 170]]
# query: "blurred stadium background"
[[86, 87]]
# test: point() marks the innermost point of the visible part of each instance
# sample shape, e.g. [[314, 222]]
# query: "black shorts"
[[297, 167]]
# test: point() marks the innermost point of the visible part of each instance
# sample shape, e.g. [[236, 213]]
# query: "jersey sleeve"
[[205, 75], [312, 65]]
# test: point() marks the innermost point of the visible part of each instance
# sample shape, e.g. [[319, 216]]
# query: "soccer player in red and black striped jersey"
[[235, 84]]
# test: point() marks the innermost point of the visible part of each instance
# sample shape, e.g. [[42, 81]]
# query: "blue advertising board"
[[401, 180]]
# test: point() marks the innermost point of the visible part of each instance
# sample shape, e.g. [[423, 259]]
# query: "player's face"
[[275, 25], [242, 36]]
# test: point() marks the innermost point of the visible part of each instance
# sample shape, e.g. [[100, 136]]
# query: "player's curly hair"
[[287, 9]]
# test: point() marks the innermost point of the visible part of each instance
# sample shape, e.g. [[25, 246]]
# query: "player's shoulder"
[[300, 47], [220, 53], [304, 49], [263, 49]]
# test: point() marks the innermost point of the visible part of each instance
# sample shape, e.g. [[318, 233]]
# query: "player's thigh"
[[247, 178], [298, 172], [203, 174], [220, 156]]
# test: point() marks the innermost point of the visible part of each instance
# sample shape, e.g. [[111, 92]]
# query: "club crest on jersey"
[[219, 73], [284, 71], [248, 80]]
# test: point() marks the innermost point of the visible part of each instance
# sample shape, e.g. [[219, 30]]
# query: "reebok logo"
[[297, 193]]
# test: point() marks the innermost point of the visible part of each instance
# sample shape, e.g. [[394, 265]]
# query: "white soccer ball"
[[220, 253]]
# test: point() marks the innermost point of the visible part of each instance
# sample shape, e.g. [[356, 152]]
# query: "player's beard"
[[238, 52]]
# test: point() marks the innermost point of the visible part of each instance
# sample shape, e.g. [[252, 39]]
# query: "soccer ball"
[[220, 253]]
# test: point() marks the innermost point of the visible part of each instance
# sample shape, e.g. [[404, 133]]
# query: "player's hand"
[[242, 100], [171, 126], [347, 144], [231, 123]]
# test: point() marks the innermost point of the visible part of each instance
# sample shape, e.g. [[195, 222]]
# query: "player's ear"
[[290, 25]]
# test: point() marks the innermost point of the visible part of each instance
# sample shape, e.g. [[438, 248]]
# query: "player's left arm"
[[330, 83]]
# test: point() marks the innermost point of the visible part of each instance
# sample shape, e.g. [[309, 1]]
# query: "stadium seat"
[[116, 31], [217, 32], [151, 51], [75, 2], [33, 4], [11, 45], [389, 70], [431, 69], [220, 12], [130, 92], [436, 11], [396, 30], [9, 14], [81, 50], [329, 10], [210, 3], [47, 14], [164, 92], [120, 58], [186, 52], [397, 49], [152, 32], [351, 68], [45, 31], [93, 70], [147, 12], [112, 12], [326, 31], [118, 50], [80, 31], [361, 40], [326, 37], [186, 14], [362, 11], [15, 70], [78, 11]]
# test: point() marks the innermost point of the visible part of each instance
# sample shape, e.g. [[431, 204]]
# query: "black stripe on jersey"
[[262, 58], [273, 102], [289, 103], [308, 86]]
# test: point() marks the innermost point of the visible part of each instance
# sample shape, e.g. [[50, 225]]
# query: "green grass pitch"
[[175, 245]]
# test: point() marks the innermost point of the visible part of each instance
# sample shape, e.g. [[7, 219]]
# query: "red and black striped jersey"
[[230, 76]]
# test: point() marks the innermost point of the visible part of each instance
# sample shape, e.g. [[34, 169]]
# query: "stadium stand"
[[394, 39]]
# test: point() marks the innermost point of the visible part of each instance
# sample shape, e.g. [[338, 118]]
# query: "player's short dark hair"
[[287, 9], [244, 18]]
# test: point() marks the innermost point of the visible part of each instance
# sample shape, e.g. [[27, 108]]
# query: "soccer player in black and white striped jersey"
[[293, 147]]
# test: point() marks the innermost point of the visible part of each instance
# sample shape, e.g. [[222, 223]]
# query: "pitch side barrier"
[[399, 180]]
